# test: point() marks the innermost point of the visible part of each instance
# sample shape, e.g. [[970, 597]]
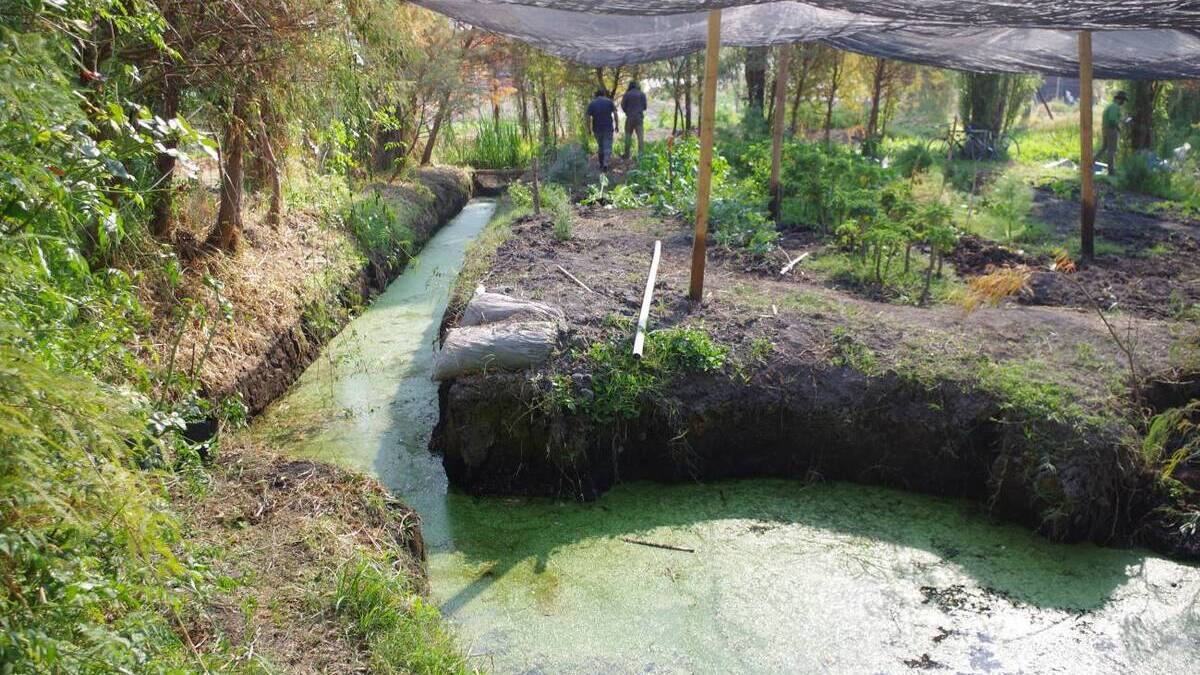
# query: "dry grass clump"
[[281, 533], [993, 287], [268, 281]]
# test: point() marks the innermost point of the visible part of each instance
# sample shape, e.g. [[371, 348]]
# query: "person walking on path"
[[1110, 131], [602, 113], [633, 104]]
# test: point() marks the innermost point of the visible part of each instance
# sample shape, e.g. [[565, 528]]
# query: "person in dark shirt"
[[602, 113], [633, 104]]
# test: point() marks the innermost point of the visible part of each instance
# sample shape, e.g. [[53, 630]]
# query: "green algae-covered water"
[[762, 576]]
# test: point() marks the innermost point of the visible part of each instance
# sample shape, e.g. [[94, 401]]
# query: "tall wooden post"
[[1087, 213], [781, 85], [708, 110]]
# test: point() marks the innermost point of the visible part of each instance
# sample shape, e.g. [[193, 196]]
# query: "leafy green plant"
[[1011, 200], [939, 234], [912, 160], [850, 353], [595, 192], [379, 230], [93, 579], [621, 381]]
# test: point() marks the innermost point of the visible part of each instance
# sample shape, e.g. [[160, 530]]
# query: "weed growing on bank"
[[403, 631], [620, 382]]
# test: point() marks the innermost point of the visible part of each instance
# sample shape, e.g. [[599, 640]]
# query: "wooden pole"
[[704, 181], [781, 84], [639, 337], [1087, 212], [537, 193]]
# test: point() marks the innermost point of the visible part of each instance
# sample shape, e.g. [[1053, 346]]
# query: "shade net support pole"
[[708, 108], [1087, 211]]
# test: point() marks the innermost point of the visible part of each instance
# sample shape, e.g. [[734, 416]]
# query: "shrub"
[[520, 195], [1011, 200], [568, 165], [556, 200], [1137, 173], [379, 230], [913, 160], [738, 224]]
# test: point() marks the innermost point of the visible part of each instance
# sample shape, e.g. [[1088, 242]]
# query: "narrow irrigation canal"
[[760, 576]]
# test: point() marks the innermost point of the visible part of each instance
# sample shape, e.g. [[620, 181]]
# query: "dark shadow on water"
[[1005, 560]]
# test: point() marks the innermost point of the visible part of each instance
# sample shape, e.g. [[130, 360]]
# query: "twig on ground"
[[651, 544], [572, 278]]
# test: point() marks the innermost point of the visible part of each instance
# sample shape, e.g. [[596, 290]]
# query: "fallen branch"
[[639, 338], [651, 544], [788, 267], [572, 278]]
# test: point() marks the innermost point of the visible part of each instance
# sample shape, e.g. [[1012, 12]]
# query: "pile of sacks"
[[498, 332]]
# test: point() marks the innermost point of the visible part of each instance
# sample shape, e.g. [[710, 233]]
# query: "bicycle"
[[973, 143]]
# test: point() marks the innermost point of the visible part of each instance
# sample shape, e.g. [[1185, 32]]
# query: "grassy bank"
[[133, 540]]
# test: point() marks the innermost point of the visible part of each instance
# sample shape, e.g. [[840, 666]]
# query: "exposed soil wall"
[[792, 420]]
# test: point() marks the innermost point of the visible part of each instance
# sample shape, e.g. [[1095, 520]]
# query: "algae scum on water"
[[760, 576]]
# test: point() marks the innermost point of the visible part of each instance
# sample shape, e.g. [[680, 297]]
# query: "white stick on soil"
[[572, 278], [788, 267], [639, 339]]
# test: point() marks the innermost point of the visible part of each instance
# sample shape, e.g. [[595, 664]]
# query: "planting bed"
[[1015, 406], [1146, 265]]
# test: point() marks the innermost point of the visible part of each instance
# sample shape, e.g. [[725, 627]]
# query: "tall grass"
[[489, 145], [404, 631]]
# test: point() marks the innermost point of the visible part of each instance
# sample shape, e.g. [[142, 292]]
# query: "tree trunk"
[[275, 210], [983, 100], [228, 231], [756, 82], [547, 128], [876, 94], [805, 61], [523, 111], [1143, 95], [781, 83], [443, 107], [616, 82], [833, 85], [164, 162], [687, 96]]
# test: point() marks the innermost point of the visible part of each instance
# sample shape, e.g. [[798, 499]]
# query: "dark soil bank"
[[435, 196], [1014, 406]]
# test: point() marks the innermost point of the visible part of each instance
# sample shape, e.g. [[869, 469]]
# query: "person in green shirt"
[[1110, 131]]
